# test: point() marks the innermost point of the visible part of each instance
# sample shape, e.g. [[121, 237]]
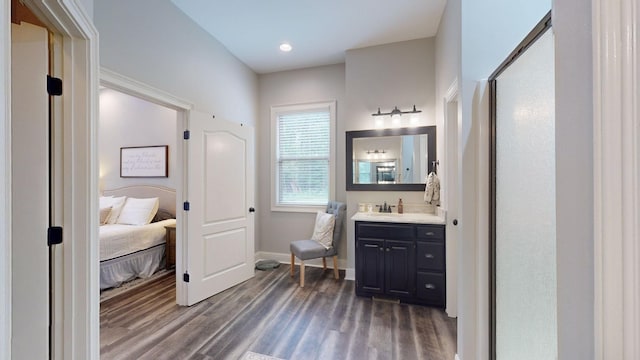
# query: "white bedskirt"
[[141, 264]]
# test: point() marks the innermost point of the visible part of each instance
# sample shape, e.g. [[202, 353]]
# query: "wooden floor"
[[271, 315]]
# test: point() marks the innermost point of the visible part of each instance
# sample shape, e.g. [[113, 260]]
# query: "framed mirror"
[[390, 159]]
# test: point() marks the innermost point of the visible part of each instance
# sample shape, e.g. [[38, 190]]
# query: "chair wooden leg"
[[301, 273], [293, 263], [324, 264], [335, 267]]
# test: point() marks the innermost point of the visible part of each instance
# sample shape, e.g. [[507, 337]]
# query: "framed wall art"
[[144, 161]]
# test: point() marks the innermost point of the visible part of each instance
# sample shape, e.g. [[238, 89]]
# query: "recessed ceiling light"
[[286, 47]]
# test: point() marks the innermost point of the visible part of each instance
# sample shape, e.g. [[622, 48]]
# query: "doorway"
[[121, 94]]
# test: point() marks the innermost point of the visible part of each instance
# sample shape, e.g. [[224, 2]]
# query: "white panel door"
[[220, 239], [29, 192]]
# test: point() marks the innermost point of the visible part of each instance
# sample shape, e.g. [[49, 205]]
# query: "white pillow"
[[116, 207], [323, 231], [138, 211], [104, 214], [105, 201]]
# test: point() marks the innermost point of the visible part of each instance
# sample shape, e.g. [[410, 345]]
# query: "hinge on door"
[[185, 206], [185, 277], [54, 235], [186, 135], [54, 86]]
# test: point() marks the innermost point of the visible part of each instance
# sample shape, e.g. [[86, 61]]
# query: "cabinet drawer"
[[384, 231], [431, 288], [431, 232], [430, 256]]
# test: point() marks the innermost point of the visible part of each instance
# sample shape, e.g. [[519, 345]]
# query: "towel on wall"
[[432, 189]]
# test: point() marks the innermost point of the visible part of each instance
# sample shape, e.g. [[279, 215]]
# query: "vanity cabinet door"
[[370, 266], [400, 269]]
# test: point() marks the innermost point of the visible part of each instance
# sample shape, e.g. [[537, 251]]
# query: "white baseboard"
[[350, 274], [286, 259], [457, 357]]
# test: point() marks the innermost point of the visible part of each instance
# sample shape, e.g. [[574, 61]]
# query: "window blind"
[[303, 157]]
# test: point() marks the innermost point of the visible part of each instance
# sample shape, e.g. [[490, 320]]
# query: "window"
[[303, 152]]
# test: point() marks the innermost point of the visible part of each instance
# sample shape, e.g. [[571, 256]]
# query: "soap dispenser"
[[400, 206]]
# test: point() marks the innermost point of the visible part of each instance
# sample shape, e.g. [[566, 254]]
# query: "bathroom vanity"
[[401, 257]]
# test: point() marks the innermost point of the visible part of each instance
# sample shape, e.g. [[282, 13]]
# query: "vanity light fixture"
[[397, 112], [376, 151]]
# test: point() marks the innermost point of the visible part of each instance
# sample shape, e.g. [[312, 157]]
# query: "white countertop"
[[412, 218]]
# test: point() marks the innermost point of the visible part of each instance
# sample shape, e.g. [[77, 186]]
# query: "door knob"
[[251, 210], [455, 222]]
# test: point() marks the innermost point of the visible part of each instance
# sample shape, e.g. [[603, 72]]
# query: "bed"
[[130, 251]]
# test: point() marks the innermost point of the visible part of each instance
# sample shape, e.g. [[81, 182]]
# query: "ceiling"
[[319, 31]]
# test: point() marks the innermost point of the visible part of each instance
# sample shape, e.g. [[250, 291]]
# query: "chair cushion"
[[323, 230], [309, 249]]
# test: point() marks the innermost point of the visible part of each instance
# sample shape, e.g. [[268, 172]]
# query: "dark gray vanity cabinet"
[[401, 261]]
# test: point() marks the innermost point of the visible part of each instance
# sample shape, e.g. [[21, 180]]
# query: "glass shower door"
[[524, 219]]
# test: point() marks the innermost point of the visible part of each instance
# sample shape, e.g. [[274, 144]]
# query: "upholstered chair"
[[311, 249]]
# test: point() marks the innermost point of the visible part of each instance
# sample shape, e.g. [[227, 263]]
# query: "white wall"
[[155, 43], [88, 7], [447, 52], [400, 74], [126, 120], [574, 178], [275, 230]]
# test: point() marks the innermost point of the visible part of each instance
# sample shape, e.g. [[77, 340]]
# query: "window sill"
[[298, 209]]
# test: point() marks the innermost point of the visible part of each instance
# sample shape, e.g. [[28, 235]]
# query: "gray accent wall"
[[400, 74], [276, 229]]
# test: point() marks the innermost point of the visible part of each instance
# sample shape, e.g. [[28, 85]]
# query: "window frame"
[[276, 111]]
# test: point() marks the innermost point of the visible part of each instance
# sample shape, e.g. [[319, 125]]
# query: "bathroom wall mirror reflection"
[[390, 159]]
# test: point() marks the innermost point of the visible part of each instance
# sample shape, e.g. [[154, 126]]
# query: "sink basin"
[[419, 218], [382, 214]]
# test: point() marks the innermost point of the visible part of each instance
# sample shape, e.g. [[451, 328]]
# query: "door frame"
[[616, 129], [5, 181], [452, 137], [129, 86], [79, 336]]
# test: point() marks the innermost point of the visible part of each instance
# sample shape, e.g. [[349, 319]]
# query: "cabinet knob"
[[455, 222], [429, 286], [388, 249], [430, 233], [381, 249], [429, 256]]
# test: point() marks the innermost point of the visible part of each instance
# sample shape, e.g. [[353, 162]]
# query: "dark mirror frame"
[[431, 149]]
